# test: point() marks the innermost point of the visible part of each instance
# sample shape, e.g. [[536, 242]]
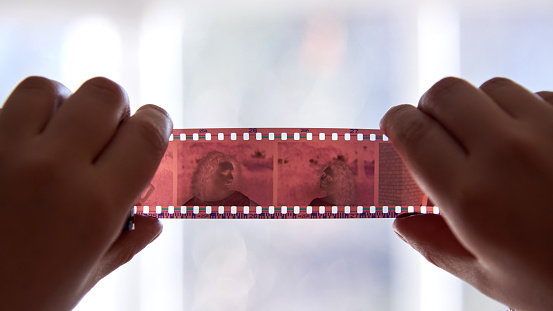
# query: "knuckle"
[[441, 91], [44, 87], [37, 83], [106, 89], [414, 132], [390, 118], [157, 109], [445, 87], [496, 82], [152, 135]]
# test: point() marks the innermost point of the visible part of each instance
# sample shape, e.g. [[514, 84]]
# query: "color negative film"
[[269, 173]]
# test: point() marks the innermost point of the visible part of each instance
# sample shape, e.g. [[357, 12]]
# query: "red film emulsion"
[[286, 173]]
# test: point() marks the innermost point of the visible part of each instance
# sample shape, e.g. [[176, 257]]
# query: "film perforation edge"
[[281, 173]]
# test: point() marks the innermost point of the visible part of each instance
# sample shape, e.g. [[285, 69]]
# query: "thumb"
[[431, 236]]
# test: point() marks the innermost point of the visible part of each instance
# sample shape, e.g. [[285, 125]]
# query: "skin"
[[484, 156], [71, 166], [71, 169]]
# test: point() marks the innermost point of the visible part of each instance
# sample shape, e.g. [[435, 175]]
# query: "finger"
[[30, 106], [465, 111], [431, 236], [514, 99], [129, 243], [90, 117], [132, 157], [546, 95], [434, 157]]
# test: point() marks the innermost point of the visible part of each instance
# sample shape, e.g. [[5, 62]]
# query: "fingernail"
[[405, 215]]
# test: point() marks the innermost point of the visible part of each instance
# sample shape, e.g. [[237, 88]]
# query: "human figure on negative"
[[339, 184], [212, 182], [484, 155]]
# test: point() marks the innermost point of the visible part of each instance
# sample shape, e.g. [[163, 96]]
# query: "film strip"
[[281, 173]]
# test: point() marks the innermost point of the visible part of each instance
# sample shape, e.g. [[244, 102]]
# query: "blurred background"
[[278, 63]]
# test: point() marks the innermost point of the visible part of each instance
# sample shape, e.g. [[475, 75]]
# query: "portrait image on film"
[[339, 184], [212, 182], [323, 173], [233, 175]]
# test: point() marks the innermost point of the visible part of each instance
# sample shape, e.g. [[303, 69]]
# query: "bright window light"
[[438, 44], [161, 53], [92, 48]]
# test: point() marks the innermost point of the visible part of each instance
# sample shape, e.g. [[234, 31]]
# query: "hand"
[[485, 157], [71, 165]]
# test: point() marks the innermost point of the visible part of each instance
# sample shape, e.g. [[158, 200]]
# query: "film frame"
[[281, 173]]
